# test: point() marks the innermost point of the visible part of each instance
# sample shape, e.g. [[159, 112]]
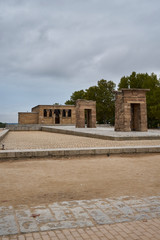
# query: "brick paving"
[[45, 140], [78, 214], [137, 230]]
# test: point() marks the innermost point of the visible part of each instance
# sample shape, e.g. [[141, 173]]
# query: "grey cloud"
[[52, 48]]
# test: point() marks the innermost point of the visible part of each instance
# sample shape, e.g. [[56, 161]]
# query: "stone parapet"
[[3, 133]]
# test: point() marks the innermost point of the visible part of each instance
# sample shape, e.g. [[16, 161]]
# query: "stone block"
[[21, 154], [102, 151], [41, 153], [71, 152], [56, 152], [154, 149], [115, 150], [87, 152], [142, 149]]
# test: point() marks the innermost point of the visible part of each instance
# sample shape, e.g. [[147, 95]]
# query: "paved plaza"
[[77, 214]]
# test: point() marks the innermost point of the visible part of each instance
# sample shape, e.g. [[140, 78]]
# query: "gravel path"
[[46, 140]]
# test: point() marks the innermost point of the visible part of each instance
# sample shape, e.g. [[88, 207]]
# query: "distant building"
[[83, 113], [49, 114]]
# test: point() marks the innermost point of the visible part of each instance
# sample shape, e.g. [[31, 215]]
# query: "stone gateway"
[[130, 110], [85, 113]]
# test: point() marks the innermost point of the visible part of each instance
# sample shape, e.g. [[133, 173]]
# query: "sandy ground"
[[36, 182], [46, 140]]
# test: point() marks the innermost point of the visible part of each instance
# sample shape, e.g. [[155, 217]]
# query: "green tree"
[[2, 125], [146, 81], [76, 95], [56, 103], [103, 94]]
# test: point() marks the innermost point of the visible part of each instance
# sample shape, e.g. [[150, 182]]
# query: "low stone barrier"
[[3, 133], [19, 127], [27, 127], [64, 152]]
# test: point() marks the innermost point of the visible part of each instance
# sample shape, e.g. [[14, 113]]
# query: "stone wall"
[[49, 115], [119, 112], [27, 118]]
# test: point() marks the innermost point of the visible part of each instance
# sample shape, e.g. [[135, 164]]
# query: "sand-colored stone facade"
[[130, 110], [49, 114], [85, 111]]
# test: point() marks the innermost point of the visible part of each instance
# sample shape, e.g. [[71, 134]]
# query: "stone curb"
[[64, 152], [3, 134]]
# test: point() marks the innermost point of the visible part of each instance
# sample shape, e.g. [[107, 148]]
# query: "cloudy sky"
[[51, 48]]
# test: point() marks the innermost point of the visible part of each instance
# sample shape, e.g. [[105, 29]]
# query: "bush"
[[2, 125]]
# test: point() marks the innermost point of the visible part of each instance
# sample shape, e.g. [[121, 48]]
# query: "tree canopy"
[[2, 125], [76, 95], [103, 94]]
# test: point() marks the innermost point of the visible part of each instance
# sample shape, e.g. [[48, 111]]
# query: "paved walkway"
[[138, 230], [78, 214]]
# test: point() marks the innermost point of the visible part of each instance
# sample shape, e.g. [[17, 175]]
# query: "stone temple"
[[84, 112], [130, 112]]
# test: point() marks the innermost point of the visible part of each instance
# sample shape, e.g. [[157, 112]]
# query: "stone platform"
[[107, 133]]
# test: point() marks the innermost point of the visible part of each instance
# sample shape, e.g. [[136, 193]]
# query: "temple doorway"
[[88, 117], [135, 117], [57, 116]]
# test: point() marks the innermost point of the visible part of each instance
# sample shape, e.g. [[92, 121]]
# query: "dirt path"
[[48, 180]]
